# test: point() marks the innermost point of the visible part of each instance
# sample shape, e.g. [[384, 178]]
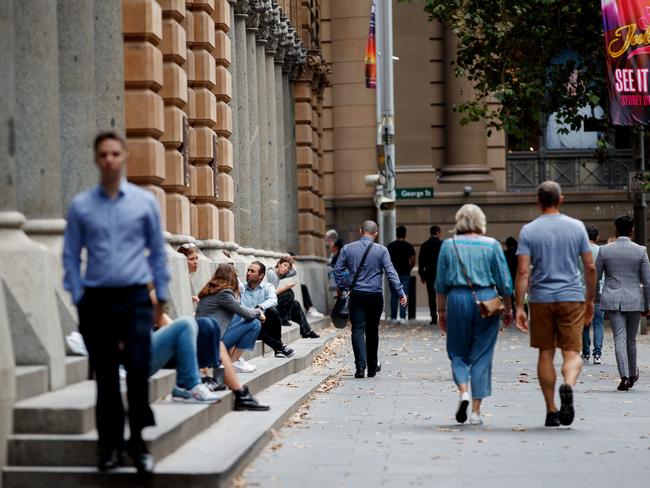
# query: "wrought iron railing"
[[574, 170]]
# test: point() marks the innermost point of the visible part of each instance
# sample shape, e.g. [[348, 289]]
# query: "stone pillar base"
[[465, 173], [28, 286]]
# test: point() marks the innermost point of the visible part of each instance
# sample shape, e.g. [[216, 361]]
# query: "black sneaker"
[[310, 335], [109, 459], [552, 419], [585, 357], [245, 401], [624, 385], [360, 373], [287, 351], [213, 384], [567, 413]]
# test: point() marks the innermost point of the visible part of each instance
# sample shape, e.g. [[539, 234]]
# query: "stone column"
[[109, 66], [272, 172], [76, 95], [26, 268], [264, 190], [7, 214], [291, 164], [242, 162], [280, 125], [466, 155], [252, 23]]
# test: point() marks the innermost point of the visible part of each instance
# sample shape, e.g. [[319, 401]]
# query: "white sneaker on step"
[[475, 419], [199, 394], [243, 366], [312, 312]]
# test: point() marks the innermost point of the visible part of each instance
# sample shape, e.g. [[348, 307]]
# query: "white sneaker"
[[243, 366], [461, 412], [312, 312], [199, 394], [475, 419], [401, 321]]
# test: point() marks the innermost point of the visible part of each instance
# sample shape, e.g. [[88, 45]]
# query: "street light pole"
[[386, 109]]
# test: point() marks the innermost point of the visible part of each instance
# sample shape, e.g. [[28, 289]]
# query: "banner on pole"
[[627, 47], [371, 52]]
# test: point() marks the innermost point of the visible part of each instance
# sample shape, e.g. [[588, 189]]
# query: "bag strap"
[[363, 260], [464, 270]]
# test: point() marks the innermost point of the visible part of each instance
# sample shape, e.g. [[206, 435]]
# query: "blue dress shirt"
[[115, 233], [370, 277], [263, 295]]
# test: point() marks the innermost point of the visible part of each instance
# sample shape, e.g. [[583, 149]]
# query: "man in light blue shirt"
[[552, 244], [366, 297], [116, 222]]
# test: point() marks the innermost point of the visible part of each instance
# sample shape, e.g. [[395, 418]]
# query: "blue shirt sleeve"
[[72, 245], [157, 252], [339, 268], [523, 248], [441, 285], [393, 279], [500, 272], [584, 241], [270, 298]]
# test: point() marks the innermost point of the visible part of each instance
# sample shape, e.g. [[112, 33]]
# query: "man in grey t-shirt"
[[559, 308]]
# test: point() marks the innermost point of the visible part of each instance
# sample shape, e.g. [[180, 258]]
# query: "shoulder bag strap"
[[363, 260], [464, 270]]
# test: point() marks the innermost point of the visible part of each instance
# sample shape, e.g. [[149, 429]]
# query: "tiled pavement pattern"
[[398, 428]]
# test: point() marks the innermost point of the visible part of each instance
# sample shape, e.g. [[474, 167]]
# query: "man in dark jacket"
[[427, 266]]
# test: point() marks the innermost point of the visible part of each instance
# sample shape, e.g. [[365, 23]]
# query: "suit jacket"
[[626, 267], [428, 259]]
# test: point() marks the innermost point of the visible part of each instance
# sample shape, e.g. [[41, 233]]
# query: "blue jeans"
[[394, 298], [471, 340], [241, 333], [598, 327], [207, 342], [177, 341]]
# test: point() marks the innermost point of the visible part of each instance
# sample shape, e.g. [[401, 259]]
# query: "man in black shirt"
[[427, 267], [402, 254]]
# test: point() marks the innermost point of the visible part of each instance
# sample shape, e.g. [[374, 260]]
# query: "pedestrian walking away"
[[597, 326], [115, 223], [625, 266], [471, 267], [560, 307], [366, 297], [402, 255], [427, 266]]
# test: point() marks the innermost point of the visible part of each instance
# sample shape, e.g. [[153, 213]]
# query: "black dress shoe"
[[633, 379], [245, 401], [624, 385], [552, 419], [109, 459], [360, 373], [311, 335], [373, 371], [142, 459], [567, 412]]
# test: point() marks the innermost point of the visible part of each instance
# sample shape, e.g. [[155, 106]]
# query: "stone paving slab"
[[398, 429]]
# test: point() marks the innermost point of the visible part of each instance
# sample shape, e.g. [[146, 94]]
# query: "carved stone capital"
[[283, 39], [254, 15], [264, 29], [242, 8], [275, 29]]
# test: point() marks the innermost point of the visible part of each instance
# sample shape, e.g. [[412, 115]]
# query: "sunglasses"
[[189, 245]]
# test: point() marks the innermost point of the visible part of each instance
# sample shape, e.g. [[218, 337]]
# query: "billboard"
[[627, 48]]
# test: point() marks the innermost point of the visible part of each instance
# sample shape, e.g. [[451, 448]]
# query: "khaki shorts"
[[557, 324]]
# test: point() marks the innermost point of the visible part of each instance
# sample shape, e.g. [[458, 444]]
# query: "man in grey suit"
[[626, 268]]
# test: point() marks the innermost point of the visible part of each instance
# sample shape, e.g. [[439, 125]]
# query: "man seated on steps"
[[176, 340], [288, 307], [256, 293]]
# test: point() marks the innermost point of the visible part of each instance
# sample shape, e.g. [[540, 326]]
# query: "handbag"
[[341, 311], [487, 308]]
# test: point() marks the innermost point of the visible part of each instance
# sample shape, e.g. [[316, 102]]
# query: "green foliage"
[[509, 49]]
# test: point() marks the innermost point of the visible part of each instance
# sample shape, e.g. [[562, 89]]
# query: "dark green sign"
[[414, 193]]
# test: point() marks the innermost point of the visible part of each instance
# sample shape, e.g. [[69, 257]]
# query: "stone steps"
[[186, 436], [211, 459]]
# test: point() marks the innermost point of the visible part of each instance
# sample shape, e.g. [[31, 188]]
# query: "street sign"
[[414, 193], [639, 181]]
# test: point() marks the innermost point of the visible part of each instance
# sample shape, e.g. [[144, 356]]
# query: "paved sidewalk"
[[398, 428]]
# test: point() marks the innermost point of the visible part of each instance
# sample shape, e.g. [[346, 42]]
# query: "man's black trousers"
[[116, 324], [365, 312]]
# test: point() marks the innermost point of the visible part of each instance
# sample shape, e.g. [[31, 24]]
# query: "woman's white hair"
[[470, 218]]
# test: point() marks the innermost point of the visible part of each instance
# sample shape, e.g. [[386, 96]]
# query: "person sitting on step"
[[240, 325], [288, 307]]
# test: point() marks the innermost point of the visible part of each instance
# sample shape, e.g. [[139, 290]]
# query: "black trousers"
[[306, 297], [431, 292], [290, 309], [271, 331], [365, 312], [116, 324]]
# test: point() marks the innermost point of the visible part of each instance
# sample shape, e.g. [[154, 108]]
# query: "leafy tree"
[[516, 51]]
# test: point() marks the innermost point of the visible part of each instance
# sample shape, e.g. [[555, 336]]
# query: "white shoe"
[[76, 344], [475, 419], [312, 312], [461, 412], [243, 366], [401, 321], [199, 394]]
